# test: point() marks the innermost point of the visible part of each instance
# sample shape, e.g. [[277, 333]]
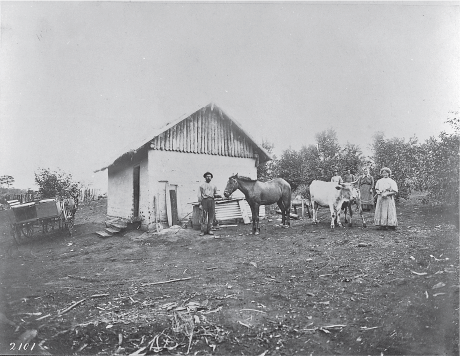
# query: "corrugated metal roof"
[[156, 132]]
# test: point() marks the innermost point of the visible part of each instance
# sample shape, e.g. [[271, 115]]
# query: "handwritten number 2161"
[[21, 346]]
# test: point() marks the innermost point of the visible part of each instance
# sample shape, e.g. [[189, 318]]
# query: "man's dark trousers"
[[207, 214]]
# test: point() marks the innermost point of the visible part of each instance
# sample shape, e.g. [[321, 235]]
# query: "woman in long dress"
[[366, 186], [385, 210]]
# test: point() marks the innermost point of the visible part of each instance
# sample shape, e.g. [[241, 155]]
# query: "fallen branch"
[[71, 307], [82, 347], [239, 322], [212, 311], [164, 282], [134, 301], [333, 326], [138, 352], [35, 314], [99, 295], [260, 311], [43, 317]]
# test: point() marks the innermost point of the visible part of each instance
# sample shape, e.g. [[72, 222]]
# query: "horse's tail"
[[289, 198]]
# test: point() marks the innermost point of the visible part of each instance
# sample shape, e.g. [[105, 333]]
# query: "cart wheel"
[[28, 230]]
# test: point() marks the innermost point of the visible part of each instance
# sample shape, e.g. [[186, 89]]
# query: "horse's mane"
[[247, 179]]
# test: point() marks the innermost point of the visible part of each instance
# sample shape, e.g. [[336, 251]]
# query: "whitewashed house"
[[160, 177]]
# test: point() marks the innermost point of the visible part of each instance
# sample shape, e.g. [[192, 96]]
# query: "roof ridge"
[[173, 123]]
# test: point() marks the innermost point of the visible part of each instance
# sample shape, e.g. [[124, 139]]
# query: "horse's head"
[[232, 185]]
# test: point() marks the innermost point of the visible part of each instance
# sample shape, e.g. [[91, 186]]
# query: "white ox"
[[333, 195]]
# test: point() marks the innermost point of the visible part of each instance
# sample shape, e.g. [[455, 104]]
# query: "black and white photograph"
[[258, 178]]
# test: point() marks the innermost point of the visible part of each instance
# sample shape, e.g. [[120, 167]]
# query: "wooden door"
[[174, 212], [136, 189]]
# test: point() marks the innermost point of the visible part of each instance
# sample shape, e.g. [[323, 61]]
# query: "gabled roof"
[[263, 157]]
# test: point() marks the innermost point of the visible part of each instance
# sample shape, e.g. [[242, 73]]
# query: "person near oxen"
[[385, 210], [336, 178], [349, 177], [207, 193], [366, 188]]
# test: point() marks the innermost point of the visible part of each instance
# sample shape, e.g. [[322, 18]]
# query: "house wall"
[[120, 193], [186, 171]]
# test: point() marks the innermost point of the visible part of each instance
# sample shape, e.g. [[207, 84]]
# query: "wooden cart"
[[46, 215]]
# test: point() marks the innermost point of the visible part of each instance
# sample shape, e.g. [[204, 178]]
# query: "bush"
[[438, 171], [56, 184]]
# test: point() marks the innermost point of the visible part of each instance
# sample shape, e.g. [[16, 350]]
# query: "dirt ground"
[[303, 290]]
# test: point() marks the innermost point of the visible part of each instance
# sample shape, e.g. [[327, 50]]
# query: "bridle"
[[234, 186]]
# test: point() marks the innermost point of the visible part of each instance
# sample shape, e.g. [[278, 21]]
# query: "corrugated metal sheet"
[[228, 211], [206, 131], [231, 209]]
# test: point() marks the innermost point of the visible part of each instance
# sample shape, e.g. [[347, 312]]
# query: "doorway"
[[136, 190], [171, 200], [174, 212]]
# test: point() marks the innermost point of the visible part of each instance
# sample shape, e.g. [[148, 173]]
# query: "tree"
[[400, 157], [6, 179], [351, 157], [310, 160], [266, 171], [329, 154], [318, 161], [438, 169], [289, 167], [56, 184]]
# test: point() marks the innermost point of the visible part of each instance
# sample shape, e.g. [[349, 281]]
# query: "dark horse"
[[262, 193]]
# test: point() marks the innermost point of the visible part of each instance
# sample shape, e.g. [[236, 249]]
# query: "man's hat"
[[204, 175]]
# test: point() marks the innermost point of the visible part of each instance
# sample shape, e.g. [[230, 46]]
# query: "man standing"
[[206, 195], [348, 177]]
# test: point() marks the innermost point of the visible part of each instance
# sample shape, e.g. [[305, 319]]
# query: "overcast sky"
[[81, 80]]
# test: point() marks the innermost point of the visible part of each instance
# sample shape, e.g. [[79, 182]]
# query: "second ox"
[[333, 195]]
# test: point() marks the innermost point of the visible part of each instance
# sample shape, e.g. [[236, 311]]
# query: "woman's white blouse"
[[386, 184]]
